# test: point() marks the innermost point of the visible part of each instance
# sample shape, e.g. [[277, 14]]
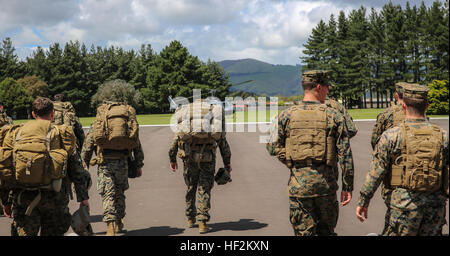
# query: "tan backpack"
[[37, 152], [419, 166], [200, 122], [64, 113], [308, 142], [116, 127]]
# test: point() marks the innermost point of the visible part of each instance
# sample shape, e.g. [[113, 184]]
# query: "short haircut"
[[42, 106], [58, 97], [308, 86], [416, 106], [400, 95]]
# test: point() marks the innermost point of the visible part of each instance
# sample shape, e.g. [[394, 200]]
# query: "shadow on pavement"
[[96, 218], [155, 231], [241, 225]]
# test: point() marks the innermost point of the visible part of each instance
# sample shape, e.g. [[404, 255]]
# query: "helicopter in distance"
[[227, 106]]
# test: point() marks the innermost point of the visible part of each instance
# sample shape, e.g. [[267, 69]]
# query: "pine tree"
[[316, 48], [9, 62]]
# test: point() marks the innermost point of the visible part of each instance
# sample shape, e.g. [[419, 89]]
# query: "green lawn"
[[247, 116]]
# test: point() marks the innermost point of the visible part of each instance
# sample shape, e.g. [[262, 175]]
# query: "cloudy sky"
[[271, 31]]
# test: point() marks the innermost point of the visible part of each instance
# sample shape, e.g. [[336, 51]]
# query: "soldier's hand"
[[139, 173], [228, 167], [173, 166], [345, 197], [360, 211], [7, 211]]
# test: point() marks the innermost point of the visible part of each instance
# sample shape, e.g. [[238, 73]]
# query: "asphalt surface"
[[255, 203]]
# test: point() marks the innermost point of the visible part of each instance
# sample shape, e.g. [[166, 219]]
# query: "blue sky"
[[271, 31]]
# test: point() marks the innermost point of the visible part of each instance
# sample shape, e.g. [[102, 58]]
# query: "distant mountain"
[[267, 78]]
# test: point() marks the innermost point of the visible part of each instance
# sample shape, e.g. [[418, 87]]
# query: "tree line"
[[368, 52], [78, 72]]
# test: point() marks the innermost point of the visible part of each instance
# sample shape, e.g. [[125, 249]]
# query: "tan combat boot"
[[118, 226], [202, 227], [191, 223], [110, 230]]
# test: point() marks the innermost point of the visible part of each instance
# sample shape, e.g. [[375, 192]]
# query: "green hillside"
[[267, 78]]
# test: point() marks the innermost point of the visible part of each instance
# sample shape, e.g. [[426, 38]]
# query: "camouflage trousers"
[[112, 182], [199, 182], [420, 222], [314, 216], [51, 215]]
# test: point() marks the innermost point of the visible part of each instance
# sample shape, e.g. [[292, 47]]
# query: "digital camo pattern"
[[199, 177], [385, 121], [351, 127], [112, 183], [199, 182], [112, 179], [314, 216], [409, 212], [51, 216], [319, 180]]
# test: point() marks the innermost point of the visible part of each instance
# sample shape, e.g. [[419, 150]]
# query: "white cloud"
[[271, 31]]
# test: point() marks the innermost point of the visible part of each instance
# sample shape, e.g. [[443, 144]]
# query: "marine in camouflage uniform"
[[78, 174], [199, 177], [51, 215], [412, 211], [312, 185], [390, 117], [72, 119], [4, 120], [112, 180]]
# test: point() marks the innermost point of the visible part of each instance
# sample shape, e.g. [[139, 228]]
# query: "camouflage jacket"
[[319, 180], [223, 145], [89, 147], [390, 144], [385, 121], [351, 127]]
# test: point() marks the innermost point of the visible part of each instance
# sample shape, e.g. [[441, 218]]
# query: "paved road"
[[254, 204]]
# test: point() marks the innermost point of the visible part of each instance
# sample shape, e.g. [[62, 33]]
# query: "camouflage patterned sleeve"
[[173, 150], [280, 144], [273, 136], [378, 129], [88, 147], [351, 127], [79, 133], [225, 151], [379, 166], [139, 155], [344, 153]]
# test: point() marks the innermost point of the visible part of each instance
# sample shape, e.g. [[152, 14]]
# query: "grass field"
[[247, 116]]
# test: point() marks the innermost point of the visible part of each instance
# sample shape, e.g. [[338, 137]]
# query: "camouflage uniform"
[[112, 180], [312, 188], [409, 212], [351, 127], [385, 120], [4, 120], [199, 177], [74, 121], [51, 215]]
